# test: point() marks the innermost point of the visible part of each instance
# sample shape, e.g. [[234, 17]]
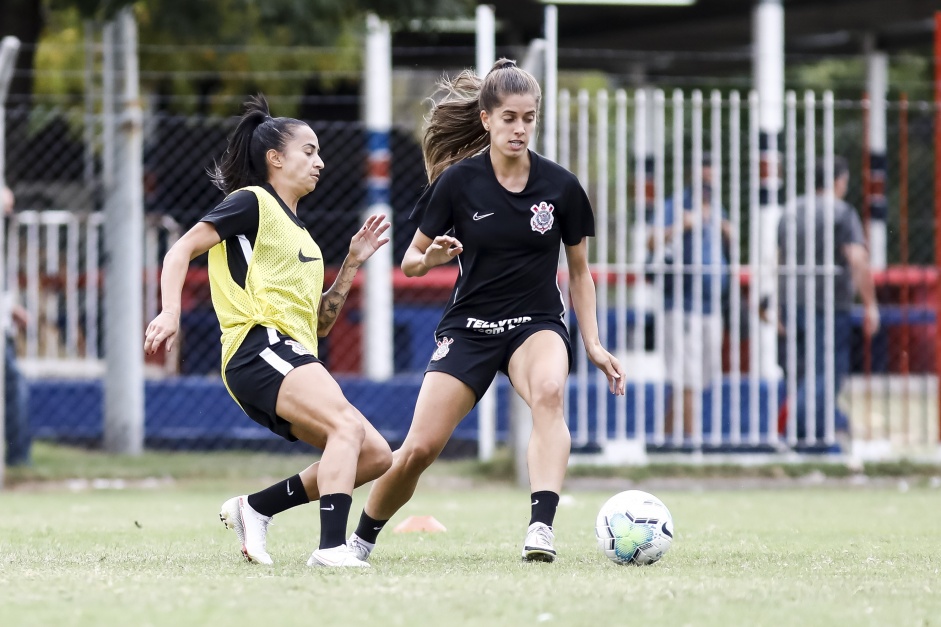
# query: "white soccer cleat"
[[337, 556], [360, 548], [250, 527], [538, 544]]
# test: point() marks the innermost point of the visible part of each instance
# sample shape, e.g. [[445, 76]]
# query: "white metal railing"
[[54, 264], [631, 277]]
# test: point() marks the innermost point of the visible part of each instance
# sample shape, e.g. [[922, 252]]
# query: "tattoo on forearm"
[[333, 299]]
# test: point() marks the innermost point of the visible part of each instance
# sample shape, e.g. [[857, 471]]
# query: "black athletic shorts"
[[255, 373], [475, 357]]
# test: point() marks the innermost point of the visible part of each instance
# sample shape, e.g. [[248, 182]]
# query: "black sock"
[[544, 505], [279, 497], [369, 528], [334, 511]]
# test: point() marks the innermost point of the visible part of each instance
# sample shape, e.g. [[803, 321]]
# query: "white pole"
[[550, 102], [754, 287], [659, 208], [677, 377], [716, 269], [769, 81], [829, 347], [9, 48], [487, 407], [790, 215], [377, 312], [620, 251], [601, 259], [124, 238], [810, 267], [877, 84], [696, 131], [486, 39], [735, 268], [640, 253]]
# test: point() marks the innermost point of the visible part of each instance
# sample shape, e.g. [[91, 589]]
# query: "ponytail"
[[244, 162], [454, 130]]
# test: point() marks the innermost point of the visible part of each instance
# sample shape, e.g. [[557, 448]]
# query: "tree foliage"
[[304, 19], [201, 55]]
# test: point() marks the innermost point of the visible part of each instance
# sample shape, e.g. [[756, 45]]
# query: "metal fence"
[[635, 153]]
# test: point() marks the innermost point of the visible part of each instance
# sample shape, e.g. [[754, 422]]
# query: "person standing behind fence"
[[503, 212], [853, 274], [266, 276], [701, 329], [12, 316]]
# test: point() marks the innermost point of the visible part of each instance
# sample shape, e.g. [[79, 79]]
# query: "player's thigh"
[[443, 401], [539, 367], [373, 442], [312, 401]]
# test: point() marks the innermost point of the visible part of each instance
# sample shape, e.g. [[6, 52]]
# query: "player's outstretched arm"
[[424, 253], [366, 242], [582, 289], [166, 325]]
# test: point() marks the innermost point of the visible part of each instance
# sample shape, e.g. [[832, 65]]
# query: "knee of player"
[[348, 426], [548, 393], [419, 456]]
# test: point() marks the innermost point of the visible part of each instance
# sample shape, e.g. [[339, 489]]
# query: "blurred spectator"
[[701, 326], [12, 315], [851, 257]]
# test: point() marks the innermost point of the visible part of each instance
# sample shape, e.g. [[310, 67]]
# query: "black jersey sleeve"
[[579, 219], [236, 215], [433, 212]]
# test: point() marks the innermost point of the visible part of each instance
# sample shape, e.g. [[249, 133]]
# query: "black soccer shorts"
[[256, 371], [475, 358]]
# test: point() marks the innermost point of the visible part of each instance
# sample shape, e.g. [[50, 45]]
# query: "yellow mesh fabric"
[[281, 291]]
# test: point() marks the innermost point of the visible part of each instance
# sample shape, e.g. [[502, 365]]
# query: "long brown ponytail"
[[454, 130]]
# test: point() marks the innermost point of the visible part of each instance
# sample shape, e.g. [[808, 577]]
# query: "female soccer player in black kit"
[[503, 212], [266, 275]]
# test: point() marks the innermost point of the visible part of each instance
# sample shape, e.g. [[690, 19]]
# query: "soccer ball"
[[634, 527]]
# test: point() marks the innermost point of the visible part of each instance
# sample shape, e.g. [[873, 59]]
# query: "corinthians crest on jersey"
[[444, 345], [542, 219]]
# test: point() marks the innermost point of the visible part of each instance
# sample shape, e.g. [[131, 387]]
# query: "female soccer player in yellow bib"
[[266, 276]]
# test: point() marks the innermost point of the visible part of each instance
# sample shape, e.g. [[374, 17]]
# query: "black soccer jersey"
[[511, 240]]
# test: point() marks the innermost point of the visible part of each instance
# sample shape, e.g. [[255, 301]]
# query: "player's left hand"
[[369, 239], [611, 367]]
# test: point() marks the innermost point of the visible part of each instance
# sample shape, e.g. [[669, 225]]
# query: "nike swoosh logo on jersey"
[[303, 259], [477, 217]]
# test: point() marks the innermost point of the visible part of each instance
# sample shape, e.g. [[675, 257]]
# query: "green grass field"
[[160, 556]]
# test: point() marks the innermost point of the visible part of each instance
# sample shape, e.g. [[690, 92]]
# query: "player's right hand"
[[162, 329], [443, 249]]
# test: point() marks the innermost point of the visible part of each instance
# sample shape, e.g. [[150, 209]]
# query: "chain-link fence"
[[57, 170]]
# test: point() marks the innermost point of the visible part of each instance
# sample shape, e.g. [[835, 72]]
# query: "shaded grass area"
[[56, 462], [160, 557]]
